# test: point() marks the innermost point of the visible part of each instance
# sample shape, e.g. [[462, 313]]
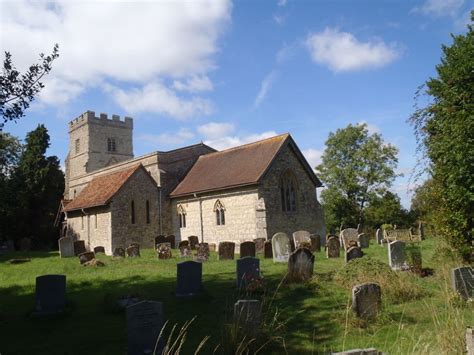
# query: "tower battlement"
[[90, 117]]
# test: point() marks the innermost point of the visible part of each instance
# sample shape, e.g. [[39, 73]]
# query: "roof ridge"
[[181, 148]]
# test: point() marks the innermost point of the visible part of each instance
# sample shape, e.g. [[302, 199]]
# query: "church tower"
[[97, 142]]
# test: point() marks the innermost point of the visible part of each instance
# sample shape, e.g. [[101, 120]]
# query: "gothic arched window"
[[219, 210], [288, 191], [182, 216], [111, 144]]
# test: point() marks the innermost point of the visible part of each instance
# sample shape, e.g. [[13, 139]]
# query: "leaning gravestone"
[[202, 252], [50, 296], [79, 247], [315, 242], [248, 315], [119, 253], [281, 248], [349, 237], [185, 251], [193, 241], [259, 245], [189, 279], [159, 239], [462, 280], [301, 238], [267, 250], [226, 250], [354, 253], [364, 240], [66, 247], [85, 257], [301, 265], [163, 250], [170, 239], [248, 269], [379, 236], [133, 251], [99, 250], [366, 300], [247, 249], [396, 255], [332, 247], [144, 323]]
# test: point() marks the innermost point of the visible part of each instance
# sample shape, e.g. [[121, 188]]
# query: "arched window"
[[111, 144], [182, 216], [77, 145], [288, 189], [220, 213]]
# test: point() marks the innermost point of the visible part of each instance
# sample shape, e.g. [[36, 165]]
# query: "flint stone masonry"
[[462, 281], [144, 323], [281, 248], [66, 247], [367, 300], [50, 296]]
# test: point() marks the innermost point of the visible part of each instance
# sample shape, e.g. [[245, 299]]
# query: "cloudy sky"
[[228, 73]]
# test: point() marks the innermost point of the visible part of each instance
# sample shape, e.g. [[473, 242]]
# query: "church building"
[[113, 199]]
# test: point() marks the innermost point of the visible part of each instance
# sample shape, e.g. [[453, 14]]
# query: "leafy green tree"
[[355, 166], [387, 209], [18, 90], [445, 129]]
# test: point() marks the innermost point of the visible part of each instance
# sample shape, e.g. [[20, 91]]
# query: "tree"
[[355, 166], [18, 90], [387, 209], [445, 132]]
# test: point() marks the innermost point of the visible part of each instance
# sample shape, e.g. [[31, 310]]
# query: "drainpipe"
[[200, 218], [88, 229], [159, 212]]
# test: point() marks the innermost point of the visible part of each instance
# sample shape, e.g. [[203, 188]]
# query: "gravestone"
[[462, 281], [226, 250], [301, 265], [332, 247], [301, 239], [212, 247], [163, 250], [193, 241], [379, 236], [281, 248], [248, 269], [396, 255], [85, 257], [99, 249], [202, 252], [247, 249], [25, 244], [248, 316], [470, 341], [183, 243], [364, 240], [133, 251], [144, 323], [119, 253], [159, 239], [353, 253], [189, 279], [315, 242], [134, 245], [170, 239], [349, 237], [50, 295], [267, 250], [79, 247], [66, 247], [367, 300], [185, 251], [259, 245]]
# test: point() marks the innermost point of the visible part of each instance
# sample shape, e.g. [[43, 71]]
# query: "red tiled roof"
[[101, 189]]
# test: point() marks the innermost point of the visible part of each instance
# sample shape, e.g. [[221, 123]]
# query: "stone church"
[[112, 199]]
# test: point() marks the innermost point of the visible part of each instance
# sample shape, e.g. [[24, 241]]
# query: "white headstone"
[[66, 247], [281, 248], [396, 255]]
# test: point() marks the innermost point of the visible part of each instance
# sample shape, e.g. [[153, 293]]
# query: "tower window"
[[77, 145], [111, 144], [132, 212], [181, 216], [288, 192], [220, 213]]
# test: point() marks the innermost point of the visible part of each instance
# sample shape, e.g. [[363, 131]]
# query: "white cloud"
[[120, 41], [157, 98], [166, 139], [282, 3], [235, 140], [265, 86], [341, 51], [215, 130], [313, 156], [279, 19], [194, 84], [439, 8], [371, 128]]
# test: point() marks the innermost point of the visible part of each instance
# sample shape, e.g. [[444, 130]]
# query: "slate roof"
[[240, 166], [102, 188]]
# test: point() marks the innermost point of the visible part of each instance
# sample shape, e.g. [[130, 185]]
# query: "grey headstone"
[[185, 250], [248, 269], [315, 242], [79, 247], [50, 294], [301, 238], [163, 250], [226, 250], [364, 240], [247, 249], [133, 251], [354, 253], [367, 300], [349, 237], [189, 279], [301, 265], [99, 249], [379, 236], [259, 245], [281, 248], [462, 280], [396, 255], [170, 239], [193, 241], [144, 323], [202, 252], [66, 247], [183, 243], [119, 253], [248, 315], [332, 247]]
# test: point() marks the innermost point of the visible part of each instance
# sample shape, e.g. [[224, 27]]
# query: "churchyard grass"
[[312, 317]]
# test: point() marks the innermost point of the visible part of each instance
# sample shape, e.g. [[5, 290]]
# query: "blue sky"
[[229, 72]]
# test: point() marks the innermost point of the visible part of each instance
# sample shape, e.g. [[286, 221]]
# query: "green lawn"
[[315, 315]]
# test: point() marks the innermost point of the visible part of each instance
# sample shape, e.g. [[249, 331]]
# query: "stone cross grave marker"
[[144, 323], [301, 265], [248, 269], [379, 236], [85, 257], [353, 253], [259, 245], [396, 255], [79, 247], [189, 279], [248, 315], [193, 241], [226, 250], [315, 242], [247, 249], [267, 250], [364, 240], [301, 239], [159, 239], [66, 247], [172, 240], [50, 295], [202, 252], [332, 247], [462, 280], [133, 251], [119, 253], [281, 248], [349, 237], [99, 249], [163, 250], [367, 300]]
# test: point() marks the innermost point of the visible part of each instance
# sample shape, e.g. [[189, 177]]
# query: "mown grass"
[[300, 318]]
